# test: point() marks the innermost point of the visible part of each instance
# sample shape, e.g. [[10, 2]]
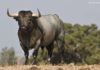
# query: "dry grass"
[[50, 67]]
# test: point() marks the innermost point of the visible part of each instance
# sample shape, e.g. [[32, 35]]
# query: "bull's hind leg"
[[35, 52], [35, 56], [50, 50]]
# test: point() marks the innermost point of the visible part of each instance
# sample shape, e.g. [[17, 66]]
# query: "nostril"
[[23, 27]]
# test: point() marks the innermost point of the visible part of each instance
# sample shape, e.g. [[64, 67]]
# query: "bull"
[[36, 30]]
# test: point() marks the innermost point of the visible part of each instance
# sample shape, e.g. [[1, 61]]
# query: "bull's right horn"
[[11, 15]]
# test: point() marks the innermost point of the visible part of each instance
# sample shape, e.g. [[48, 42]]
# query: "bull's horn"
[[11, 15], [39, 14]]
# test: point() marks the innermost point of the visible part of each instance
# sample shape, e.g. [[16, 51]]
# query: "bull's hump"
[[48, 28], [45, 24]]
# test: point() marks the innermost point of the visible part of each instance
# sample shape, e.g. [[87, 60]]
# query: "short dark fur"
[[28, 33]]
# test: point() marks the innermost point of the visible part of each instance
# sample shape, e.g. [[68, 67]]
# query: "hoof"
[[49, 59], [34, 63]]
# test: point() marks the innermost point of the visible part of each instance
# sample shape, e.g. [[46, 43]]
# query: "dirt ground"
[[50, 67]]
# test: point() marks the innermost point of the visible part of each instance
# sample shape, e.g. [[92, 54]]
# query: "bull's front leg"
[[35, 52], [26, 53]]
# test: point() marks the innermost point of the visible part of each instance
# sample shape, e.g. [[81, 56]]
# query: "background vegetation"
[[82, 46], [82, 43], [7, 56]]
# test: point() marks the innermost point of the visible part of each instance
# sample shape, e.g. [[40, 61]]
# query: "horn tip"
[[39, 12]]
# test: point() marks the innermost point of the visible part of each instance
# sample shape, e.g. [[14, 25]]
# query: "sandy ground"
[[50, 67]]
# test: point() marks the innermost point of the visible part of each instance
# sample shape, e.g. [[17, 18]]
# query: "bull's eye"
[[30, 19]]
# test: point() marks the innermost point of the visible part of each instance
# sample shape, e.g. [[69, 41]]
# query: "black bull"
[[39, 31]]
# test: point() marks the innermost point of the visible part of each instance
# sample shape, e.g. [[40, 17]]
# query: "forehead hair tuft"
[[24, 12]]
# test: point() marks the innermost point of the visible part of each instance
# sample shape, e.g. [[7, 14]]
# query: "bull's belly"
[[47, 39]]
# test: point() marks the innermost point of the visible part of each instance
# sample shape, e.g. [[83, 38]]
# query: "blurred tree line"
[[82, 46], [82, 43]]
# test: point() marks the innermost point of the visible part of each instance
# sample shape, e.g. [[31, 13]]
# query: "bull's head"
[[25, 19]]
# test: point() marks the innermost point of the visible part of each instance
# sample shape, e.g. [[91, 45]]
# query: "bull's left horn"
[[11, 15], [39, 14]]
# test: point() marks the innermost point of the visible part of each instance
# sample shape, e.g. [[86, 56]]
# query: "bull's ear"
[[16, 18]]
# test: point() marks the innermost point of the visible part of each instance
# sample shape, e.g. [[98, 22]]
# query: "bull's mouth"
[[25, 29]]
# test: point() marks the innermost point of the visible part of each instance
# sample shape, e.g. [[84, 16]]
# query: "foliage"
[[7, 56], [82, 43]]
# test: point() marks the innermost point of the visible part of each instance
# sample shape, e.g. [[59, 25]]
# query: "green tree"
[[82, 43]]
